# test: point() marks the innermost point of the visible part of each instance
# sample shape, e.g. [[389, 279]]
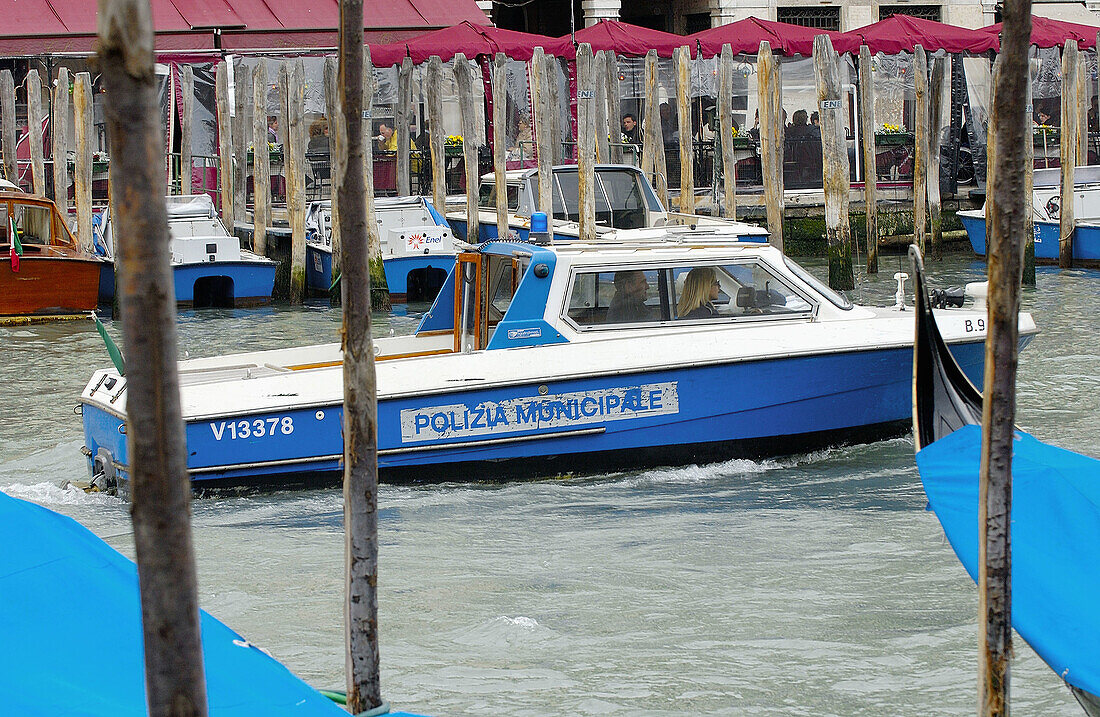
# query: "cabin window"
[[567, 186], [624, 198], [487, 196], [33, 223], [504, 273], [624, 296]]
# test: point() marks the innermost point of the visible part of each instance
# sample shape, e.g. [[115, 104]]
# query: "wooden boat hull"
[[48, 285]]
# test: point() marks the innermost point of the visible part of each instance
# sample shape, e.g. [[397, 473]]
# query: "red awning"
[[1052, 33], [901, 33], [37, 27], [472, 41], [631, 40], [786, 39]]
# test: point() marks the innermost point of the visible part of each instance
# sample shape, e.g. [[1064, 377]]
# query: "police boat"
[[664, 346]]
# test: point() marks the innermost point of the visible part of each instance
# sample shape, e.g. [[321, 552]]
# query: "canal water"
[[811, 585]]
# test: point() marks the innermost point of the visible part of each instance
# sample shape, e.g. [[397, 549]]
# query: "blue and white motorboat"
[[624, 198], [1046, 208], [548, 358], [417, 244], [1055, 513], [208, 264]]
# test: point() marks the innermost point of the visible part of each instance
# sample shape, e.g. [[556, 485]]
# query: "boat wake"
[[54, 494], [504, 631]]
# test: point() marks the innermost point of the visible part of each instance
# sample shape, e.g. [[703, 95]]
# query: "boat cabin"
[[42, 231], [624, 197], [511, 294]]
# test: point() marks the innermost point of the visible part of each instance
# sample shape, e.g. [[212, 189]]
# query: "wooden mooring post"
[[681, 58], [59, 140], [834, 152], [7, 126], [586, 145], [82, 186], [187, 118], [653, 147], [338, 142], [936, 102], [920, 148], [469, 107], [1029, 177], [1066, 223], [294, 154], [436, 134], [402, 114], [225, 141], [870, 163], [261, 161], [159, 484], [725, 132], [1007, 207], [360, 390], [379, 289], [242, 131], [769, 94], [540, 100], [34, 126], [606, 132], [1083, 108], [614, 106], [553, 92], [500, 166]]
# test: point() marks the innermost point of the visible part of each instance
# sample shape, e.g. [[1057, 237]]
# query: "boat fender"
[[104, 477]]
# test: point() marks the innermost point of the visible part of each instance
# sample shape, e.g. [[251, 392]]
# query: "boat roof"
[[614, 245], [516, 176]]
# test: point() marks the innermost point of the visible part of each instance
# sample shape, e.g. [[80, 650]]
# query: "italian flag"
[[16, 247]]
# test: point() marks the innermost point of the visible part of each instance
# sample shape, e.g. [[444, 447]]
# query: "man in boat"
[[628, 304]]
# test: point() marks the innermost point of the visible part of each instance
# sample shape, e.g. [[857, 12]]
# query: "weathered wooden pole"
[[187, 117], [725, 132], [360, 390], [59, 140], [261, 161], [338, 162], [653, 147], [500, 166], [920, 149], [7, 126], [540, 100], [225, 141], [1082, 109], [294, 156], [1007, 207], [870, 162], [606, 132], [159, 484], [402, 113], [468, 108], [614, 106], [82, 186], [834, 154], [681, 57], [769, 92], [1029, 177], [936, 101], [586, 145], [379, 289], [553, 92], [34, 126], [1068, 152], [436, 133], [242, 131]]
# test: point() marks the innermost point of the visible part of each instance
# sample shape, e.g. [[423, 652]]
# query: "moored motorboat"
[[1055, 511], [43, 272], [624, 199], [417, 246], [209, 266], [541, 359], [1046, 207]]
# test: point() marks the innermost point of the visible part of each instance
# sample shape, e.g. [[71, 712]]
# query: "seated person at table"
[[318, 137], [700, 290], [628, 304], [386, 137]]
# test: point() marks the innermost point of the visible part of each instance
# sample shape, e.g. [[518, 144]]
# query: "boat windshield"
[[487, 196], [33, 223], [839, 300]]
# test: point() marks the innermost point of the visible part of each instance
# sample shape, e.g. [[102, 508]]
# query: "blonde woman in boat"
[[700, 290]]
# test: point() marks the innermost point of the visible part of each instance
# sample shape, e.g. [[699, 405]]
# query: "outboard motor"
[[539, 232]]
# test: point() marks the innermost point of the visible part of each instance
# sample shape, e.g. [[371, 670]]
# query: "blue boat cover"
[[71, 635], [1055, 541]]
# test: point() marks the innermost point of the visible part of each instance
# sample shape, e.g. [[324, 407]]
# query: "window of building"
[[821, 18], [924, 12], [696, 22]]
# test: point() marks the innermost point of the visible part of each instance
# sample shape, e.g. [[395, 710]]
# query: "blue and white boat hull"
[[249, 283], [1086, 240], [400, 272]]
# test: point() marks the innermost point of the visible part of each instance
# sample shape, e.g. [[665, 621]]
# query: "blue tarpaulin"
[[71, 634], [1055, 541]]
